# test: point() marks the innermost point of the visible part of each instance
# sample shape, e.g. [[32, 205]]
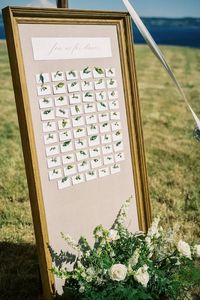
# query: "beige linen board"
[[89, 157]]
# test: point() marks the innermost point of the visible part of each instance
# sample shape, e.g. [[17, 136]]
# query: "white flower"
[[87, 253], [135, 257], [153, 230], [142, 275], [81, 289], [184, 249], [90, 271], [197, 250], [113, 235], [118, 272]]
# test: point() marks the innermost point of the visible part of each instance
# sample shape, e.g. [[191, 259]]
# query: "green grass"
[[172, 160]]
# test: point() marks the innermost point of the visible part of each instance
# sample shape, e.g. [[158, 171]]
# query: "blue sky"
[[158, 8]]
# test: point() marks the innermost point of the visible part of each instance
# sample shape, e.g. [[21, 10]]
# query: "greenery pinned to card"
[[42, 78], [99, 70], [59, 85], [72, 73], [86, 70]]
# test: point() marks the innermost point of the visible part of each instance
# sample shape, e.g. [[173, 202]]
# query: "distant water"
[[178, 32], [177, 36]]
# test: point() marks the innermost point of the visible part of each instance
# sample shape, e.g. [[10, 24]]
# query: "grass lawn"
[[173, 161]]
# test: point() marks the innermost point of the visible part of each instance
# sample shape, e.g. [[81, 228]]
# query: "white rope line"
[[158, 53]]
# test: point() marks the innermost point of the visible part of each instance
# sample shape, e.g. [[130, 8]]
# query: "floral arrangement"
[[125, 265]]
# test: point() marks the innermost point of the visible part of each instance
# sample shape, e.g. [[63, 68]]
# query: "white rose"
[[142, 275], [81, 289], [197, 250], [118, 272], [113, 235], [184, 249]]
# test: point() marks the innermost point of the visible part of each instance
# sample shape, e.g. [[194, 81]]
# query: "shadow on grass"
[[19, 272]]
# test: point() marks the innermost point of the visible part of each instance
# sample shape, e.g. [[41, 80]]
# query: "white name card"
[[70, 48]]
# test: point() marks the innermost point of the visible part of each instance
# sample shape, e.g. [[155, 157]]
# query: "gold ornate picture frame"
[[76, 94]]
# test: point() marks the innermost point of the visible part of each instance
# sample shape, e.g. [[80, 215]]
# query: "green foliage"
[[126, 265]]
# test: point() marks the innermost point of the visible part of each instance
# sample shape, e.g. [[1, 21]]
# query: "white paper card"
[[104, 172], [86, 73], [116, 126], [94, 140], [114, 104], [54, 162], [78, 121], [49, 126], [78, 179], [96, 163], [89, 107], [86, 85], [91, 175], [70, 170], [80, 144], [44, 90], [91, 119], [66, 146], [101, 96], [119, 156], [92, 129], [115, 169], [82, 155], [108, 160], [52, 150], [64, 183], [50, 138], [72, 75], [64, 124], [111, 83], [102, 106], [60, 101], [110, 72], [73, 86], [79, 132], [115, 115], [47, 114], [65, 135], [83, 166], [117, 136], [62, 112], [45, 102], [74, 98], [76, 110], [59, 88], [57, 76], [107, 149], [68, 159], [106, 139], [118, 146], [98, 72], [112, 95], [100, 84], [88, 97], [105, 127], [70, 48], [42, 78], [104, 117], [95, 152], [55, 174]]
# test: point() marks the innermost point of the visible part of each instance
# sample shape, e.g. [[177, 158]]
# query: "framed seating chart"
[[77, 101]]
